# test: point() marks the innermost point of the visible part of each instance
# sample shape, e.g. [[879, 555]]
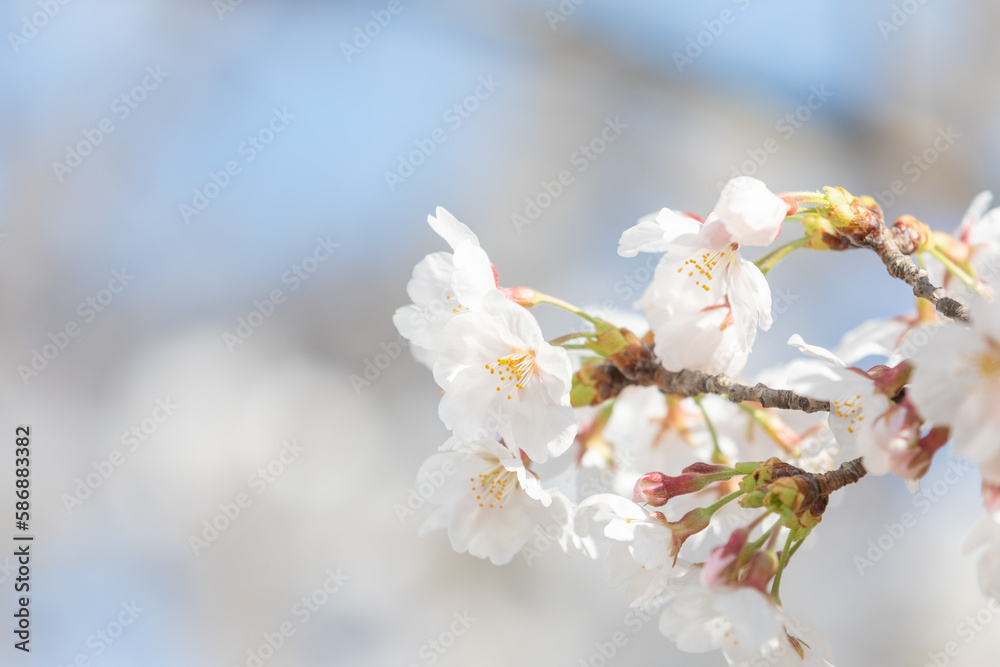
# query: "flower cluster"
[[698, 489]]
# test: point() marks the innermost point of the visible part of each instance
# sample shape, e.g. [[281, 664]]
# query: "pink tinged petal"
[[752, 213], [714, 234], [450, 229]]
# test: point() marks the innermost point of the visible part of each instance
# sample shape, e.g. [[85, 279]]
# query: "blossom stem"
[[717, 505], [953, 268], [553, 301], [767, 262], [809, 198], [717, 455], [562, 339], [750, 548], [785, 555]]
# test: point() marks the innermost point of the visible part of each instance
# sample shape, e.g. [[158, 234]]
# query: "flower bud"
[[848, 214], [912, 234], [787, 493], [763, 565], [717, 565], [890, 381], [656, 489], [822, 234], [690, 524], [522, 296]]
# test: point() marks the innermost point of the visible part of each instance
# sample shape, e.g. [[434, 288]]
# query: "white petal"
[[450, 229], [815, 351]]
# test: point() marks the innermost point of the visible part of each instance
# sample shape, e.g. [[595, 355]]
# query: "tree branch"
[[890, 245], [610, 378], [819, 486]]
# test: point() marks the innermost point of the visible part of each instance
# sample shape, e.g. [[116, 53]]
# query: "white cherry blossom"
[[491, 504], [444, 284], [956, 383], [741, 621], [705, 301], [856, 412], [499, 374]]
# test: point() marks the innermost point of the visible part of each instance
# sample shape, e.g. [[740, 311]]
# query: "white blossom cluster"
[[646, 478]]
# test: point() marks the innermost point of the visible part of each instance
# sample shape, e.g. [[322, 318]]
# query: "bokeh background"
[[333, 110]]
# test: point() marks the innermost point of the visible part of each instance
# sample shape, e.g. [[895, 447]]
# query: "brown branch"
[[819, 486], [641, 368], [900, 266]]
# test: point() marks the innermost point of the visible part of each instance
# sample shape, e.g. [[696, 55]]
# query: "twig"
[[900, 266]]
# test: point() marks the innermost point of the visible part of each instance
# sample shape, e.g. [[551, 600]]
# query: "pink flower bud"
[[691, 523], [717, 565], [890, 381], [763, 566], [655, 488], [522, 296]]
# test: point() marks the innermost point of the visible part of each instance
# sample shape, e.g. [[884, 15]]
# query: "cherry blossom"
[[491, 504], [499, 374], [956, 383], [740, 620], [444, 284]]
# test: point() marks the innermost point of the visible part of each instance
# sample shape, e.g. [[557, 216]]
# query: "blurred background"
[[210, 210]]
